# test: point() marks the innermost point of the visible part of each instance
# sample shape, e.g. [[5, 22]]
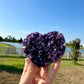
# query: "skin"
[[32, 74]]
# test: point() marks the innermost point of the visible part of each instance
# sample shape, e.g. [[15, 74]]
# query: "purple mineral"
[[44, 49]]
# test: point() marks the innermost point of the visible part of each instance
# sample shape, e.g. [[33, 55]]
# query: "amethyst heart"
[[44, 49]]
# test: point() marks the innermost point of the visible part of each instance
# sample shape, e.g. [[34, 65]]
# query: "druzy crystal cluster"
[[44, 49]]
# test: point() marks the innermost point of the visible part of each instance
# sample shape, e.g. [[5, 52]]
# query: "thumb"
[[30, 64], [28, 77], [32, 67]]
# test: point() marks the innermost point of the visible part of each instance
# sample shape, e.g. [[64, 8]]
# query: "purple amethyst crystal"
[[44, 49]]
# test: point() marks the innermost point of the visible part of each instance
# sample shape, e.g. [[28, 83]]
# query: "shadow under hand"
[[12, 56], [80, 64], [10, 69]]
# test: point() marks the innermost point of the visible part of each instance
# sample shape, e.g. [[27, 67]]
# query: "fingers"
[[28, 72], [39, 80], [53, 72], [29, 62], [31, 72], [44, 72], [36, 79], [32, 67], [25, 68]]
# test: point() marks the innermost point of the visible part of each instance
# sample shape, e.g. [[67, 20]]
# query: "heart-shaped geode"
[[44, 49]]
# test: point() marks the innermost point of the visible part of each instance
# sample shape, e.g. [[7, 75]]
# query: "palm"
[[33, 74], [46, 77]]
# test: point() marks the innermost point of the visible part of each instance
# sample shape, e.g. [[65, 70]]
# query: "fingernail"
[[27, 61], [55, 65]]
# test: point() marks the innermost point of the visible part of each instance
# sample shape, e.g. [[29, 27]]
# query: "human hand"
[[32, 74]]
